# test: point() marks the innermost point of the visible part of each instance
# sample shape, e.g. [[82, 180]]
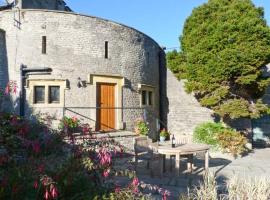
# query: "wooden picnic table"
[[183, 150]]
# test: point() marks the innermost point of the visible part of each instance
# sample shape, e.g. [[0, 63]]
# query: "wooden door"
[[106, 104]]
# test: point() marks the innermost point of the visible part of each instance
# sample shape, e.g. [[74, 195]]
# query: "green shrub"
[[207, 133], [141, 127], [220, 137]]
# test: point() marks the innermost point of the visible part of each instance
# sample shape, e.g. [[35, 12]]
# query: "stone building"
[[71, 64], [103, 72]]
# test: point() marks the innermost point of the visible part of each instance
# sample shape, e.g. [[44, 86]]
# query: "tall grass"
[[235, 189]]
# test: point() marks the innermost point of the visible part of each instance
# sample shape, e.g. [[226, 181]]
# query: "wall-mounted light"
[[81, 83]]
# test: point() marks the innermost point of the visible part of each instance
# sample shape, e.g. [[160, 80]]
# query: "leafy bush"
[[232, 141], [37, 164], [218, 136], [141, 127], [207, 133]]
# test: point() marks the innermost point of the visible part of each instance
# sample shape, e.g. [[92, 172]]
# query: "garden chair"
[[145, 150]]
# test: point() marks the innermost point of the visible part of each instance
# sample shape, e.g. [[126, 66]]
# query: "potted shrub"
[[163, 135], [141, 127]]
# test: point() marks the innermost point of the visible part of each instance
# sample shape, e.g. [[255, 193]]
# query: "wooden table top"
[[166, 148]]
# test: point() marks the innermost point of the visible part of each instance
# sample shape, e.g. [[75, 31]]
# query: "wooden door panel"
[[106, 102]]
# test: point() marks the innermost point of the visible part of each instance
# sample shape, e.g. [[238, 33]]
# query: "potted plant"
[[141, 127], [163, 135]]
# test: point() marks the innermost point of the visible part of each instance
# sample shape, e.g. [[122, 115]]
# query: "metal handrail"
[[146, 111]]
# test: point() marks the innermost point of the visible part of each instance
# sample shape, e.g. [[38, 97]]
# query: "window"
[[106, 49], [150, 96], [46, 93], [39, 94], [146, 98], [54, 94], [44, 44]]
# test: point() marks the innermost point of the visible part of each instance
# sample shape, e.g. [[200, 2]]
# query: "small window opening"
[[150, 96], [39, 94], [106, 49], [44, 44]]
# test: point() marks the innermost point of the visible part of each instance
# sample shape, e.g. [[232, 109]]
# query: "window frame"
[[149, 99], [30, 88], [35, 96], [49, 94]]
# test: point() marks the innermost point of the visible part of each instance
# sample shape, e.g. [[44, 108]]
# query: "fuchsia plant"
[[11, 88], [55, 169]]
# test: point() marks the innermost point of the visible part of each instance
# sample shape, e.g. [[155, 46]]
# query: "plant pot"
[[162, 139]]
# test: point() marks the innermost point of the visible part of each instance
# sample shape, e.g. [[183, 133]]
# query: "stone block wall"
[[75, 48], [184, 112]]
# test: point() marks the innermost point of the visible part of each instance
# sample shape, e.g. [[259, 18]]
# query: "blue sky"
[[162, 20]]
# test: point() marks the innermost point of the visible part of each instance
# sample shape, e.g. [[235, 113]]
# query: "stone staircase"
[[185, 112]]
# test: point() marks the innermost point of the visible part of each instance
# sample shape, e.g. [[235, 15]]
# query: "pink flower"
[[105, 157], [117, 189], [135, 181], [54, 192], [47, 194], [75, 119], [15, 87], [136, 190], [106, 173], [7, 90], [35, 184], [165, 194]]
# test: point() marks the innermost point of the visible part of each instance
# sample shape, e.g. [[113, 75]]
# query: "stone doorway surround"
[[119, 82]]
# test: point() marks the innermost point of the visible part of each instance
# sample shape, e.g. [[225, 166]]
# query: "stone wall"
[[184, 113], [75, 48]]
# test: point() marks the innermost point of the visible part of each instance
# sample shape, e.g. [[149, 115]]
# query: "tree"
[[225, 47]]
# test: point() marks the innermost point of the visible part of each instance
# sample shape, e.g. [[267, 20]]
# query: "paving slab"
[[255, 164]]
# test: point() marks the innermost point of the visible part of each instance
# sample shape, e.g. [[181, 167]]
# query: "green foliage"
[[232, 142], [37, 163], [207, 133], [235, 108], [164, 133], [141, 127], [69, 122], [220, 137], [225, 44]]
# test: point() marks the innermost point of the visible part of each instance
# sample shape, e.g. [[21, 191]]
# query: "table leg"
[[206, 161], [167, 157], [164, 162], [177, 164], [190, 163], [161, 165]]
